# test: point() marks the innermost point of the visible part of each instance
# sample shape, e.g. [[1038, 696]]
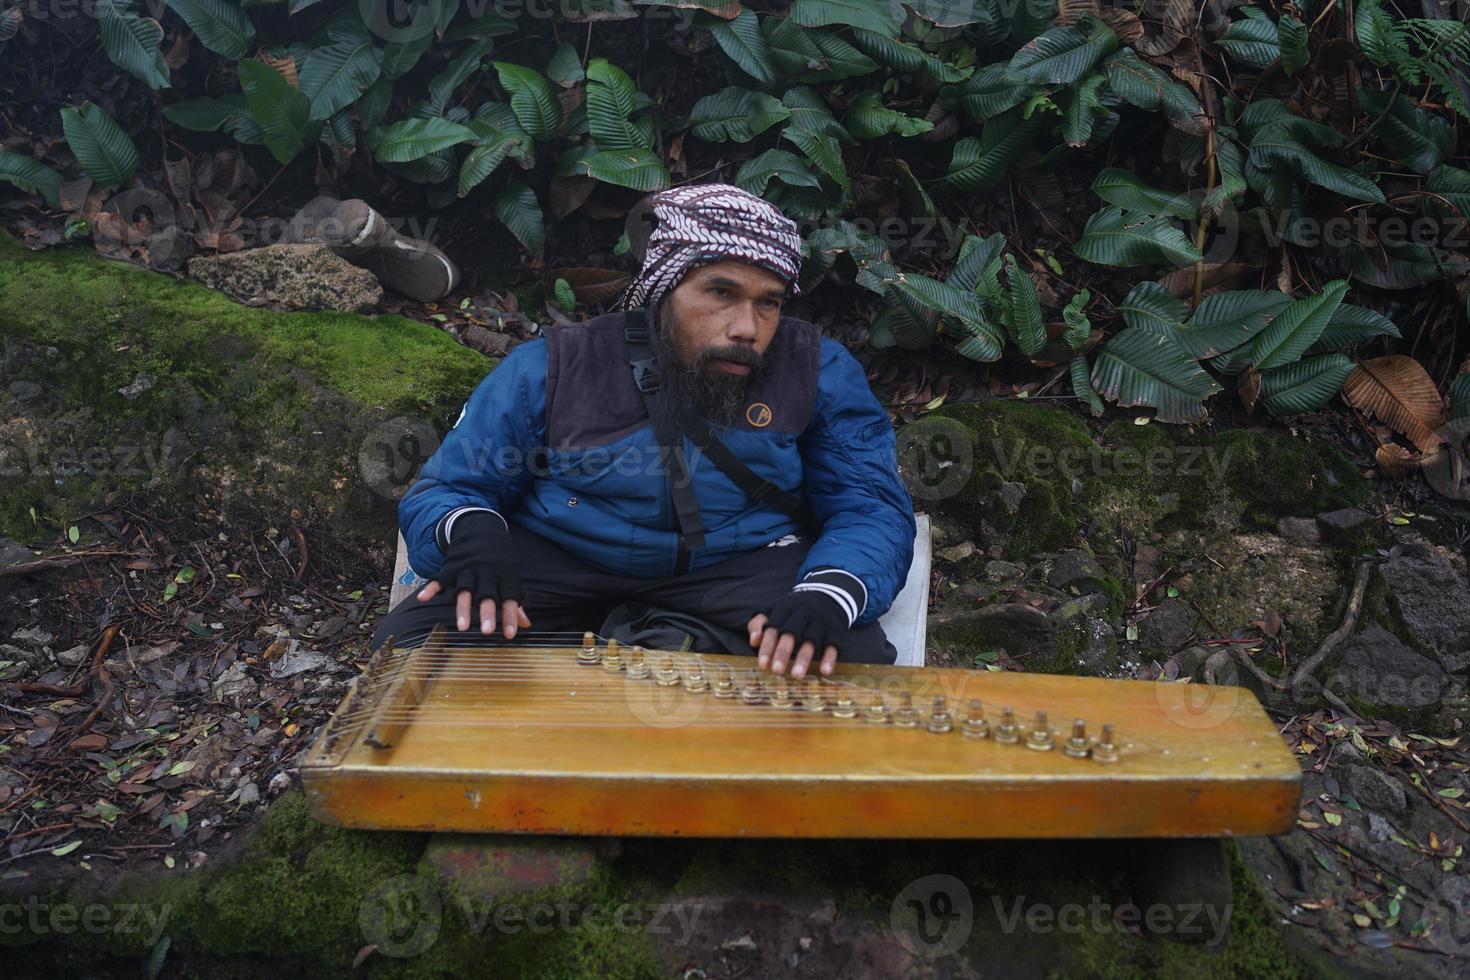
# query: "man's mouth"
[[732, 367]]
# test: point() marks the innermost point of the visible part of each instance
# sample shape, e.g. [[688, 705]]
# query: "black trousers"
[[565, 593]]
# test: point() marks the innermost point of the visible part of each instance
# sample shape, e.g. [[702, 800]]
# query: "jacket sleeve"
[[484, 462], [852, 484]]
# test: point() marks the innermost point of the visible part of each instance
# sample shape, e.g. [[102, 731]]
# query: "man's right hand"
[[482, 570]]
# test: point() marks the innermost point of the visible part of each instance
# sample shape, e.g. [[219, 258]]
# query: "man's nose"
[[742, 325]]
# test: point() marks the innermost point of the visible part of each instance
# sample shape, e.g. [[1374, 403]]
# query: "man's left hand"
[[800, 624]]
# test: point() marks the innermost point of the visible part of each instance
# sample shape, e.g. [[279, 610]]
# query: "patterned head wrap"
[[700, 224]]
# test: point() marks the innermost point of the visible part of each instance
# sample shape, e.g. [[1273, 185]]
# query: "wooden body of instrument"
[[570, 740]]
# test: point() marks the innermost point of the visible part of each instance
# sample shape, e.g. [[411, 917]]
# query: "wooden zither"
[[567, 735]]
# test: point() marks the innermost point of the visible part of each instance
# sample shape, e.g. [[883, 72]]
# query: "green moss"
[[258, 407]]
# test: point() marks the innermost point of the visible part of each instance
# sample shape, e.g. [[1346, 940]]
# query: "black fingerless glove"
[[478, 557], [810, 616]]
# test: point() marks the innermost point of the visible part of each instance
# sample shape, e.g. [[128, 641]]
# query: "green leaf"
[[565, 66], [1226, 320], [65, 849], [868, 118], [611, 100], [1303, 386], [1063, 54], [902, 56], [919, 302], [131, 42], [1083, 108], [1293, 35], [281, 110], [1459, 398], [459, 69], [1126, 190], [1116, 237], [1025, 325], [1079, 327], [977, 165], [743, 41], [1415, 138], [532, 98], [1149, 304], [565, 297], [883, 16], [1145, 366], [823, 151], [99, 144], [1082, 385], [1253, 41], [335, 75], [1141, 84], [1374, 31], [490, 152], [399, 57], [229, 112], [413, 139], [1353, 325], [1296, 328], [842, 59], [31, 176], [638, 169], [1276, 147], [220, 26], [977, 269], [810, 114], [756, 173], [735, 115], [989, 92], [517, 208], [73, 534]]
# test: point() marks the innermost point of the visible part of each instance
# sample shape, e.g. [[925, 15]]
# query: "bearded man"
[[695, 455]]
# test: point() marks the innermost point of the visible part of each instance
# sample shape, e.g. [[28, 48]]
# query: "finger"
[[428, 592], [509, 617], [803, 660], [462, 609], [487, 616], [829, 660], [784, 646], [521, 616], [754, 627], [769, 636]]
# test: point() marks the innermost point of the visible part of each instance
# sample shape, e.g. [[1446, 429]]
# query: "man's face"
[[724, 315]]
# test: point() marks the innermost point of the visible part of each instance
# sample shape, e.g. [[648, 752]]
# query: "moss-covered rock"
[[134, 381]]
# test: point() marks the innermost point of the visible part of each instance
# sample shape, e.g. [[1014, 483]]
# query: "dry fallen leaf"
[[1399, 391]]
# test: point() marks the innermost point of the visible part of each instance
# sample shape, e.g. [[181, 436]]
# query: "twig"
[[301, 545], [49, 564], [100, 673], [1306, 667]]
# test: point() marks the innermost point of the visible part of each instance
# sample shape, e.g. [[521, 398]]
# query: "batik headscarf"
[[700, 224]]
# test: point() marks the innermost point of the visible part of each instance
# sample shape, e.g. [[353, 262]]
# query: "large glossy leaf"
[[1081, 377], [564, 67], [1297, 327], [532, 99], [1417, 139], [1117, 237], [282, 111], [336, 74], [823, 151], [220, 25], [230, 113], [1025, 323], [1294, 55], [1305, 385], [412, 139], [979, 164], [902, 56], [809, 112], [883, 16], [842, 59], [1227, 320], [1083, 108], [131, 41], [735, 115], [399, 57], [1253, 41], [611, 99], [1353, 325], [743, 41], [919, 302], [1063, 54], [463, 65], [491, 150], [1125, 189], [99, 144], [977, 269], [1139, 83], [1149, 304], [951, 13], [1144, 366], [1276, 146], [868, 118], [31, 176], [637, 168], [1373, 28], [989, 92], [783, 165], [517, 208]]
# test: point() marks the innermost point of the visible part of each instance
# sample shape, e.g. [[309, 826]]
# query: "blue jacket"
[[557, 440]]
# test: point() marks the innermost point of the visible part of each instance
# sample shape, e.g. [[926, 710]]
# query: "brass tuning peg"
[[1106, 749], [1078, 745], [844, 708], [612, 658], [877, 712], [638, 666], [976, 726], [1007, 732], [1039, 737], [906, 716], [940, 720], [694, 680], [725, 686], [589, 654]]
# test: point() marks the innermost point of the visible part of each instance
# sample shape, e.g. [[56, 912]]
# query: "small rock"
[[1169, 626], [30, 636], [958, 552], [485, 341], [299, 661], [1379, 829], [72, 657], [12, 552], [25, 391], [1373, 789], [1191, 661], [1076, 568], [1299, 530], [20, 655], [294, 276], [141, 382], [155, 654], [1377, 669], [1011, 494], [234, 684], [1004, 571], [1433, 601], [249, 794], [279, 783], [1346, 519]]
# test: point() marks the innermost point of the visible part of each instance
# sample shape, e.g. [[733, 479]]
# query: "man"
[[550, 502]]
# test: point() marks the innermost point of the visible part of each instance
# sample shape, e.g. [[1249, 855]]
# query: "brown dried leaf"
[[1125, 24], [180, 181], [1395, 460], [1069, 12], [1249, 388], [73, 193], [570, 193], [1399, 391], [286, 65]]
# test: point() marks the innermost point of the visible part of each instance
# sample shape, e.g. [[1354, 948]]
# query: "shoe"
[[362, 236]]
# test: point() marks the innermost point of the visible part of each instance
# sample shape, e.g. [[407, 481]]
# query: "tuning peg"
[[1106, 749], [906, 716], [1079, 745], [1039, 737], [877, 712], [589, 654], [1007, 732], [976, 726], [940, 720], [638, 667]]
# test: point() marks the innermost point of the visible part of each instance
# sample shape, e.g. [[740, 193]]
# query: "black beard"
[[687, 395]]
